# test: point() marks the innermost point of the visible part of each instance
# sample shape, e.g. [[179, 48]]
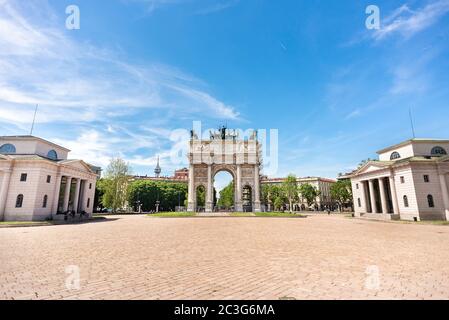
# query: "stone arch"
[[240, 158]]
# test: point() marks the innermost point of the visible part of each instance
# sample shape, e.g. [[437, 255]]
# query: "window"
[[44, 203], [8, 148], [402, 180], [90, 186], [359, 202], [23, 177], [438, 151], [357, 186], [48, 179], [430, 201], [88, 202], [52, 155], [395, 155], [405, 201], [426, 178], [19, 201]]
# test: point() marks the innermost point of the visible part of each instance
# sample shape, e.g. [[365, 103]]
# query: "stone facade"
[[240, 158], [409, 182], [36, 187], [323, 185]]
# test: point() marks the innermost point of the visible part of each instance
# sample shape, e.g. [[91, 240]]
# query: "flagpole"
[[34, 119], [411, 122]]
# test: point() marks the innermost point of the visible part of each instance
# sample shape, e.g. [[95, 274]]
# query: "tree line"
[[115, 191]]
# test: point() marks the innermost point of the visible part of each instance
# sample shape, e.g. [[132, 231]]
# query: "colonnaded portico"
[[224, 151]]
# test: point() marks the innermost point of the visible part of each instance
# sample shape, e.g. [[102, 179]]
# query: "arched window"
[[19, 201], [430, 201], [44, 203], [52, 155], [405, 201], [8, 148], [395, 155], [438, 151]]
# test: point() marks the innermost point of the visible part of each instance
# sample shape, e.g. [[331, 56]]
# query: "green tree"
[[115, 184], [290, 187], [226, 199], [341, 192], [278, 203], [270, 192], [146, 193], [309, 193], [201, 196], [99, 192]]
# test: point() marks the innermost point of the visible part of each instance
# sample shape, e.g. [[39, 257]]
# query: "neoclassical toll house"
[[224, 151], [37, 181], [409, 182]]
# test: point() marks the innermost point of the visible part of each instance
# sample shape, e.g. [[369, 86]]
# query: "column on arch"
[[210, 190], [238, 189], [191, 189], [256, 188]]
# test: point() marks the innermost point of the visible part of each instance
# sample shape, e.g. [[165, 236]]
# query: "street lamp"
[[157, 203]]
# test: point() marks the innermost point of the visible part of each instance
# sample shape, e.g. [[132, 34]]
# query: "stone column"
[[394, 195], [4, 192], [372, 197], [191, 190], [77, 195], [65, 206], [383, 196], [445, 194], [238, 189], [256, 188], [85, 196], [54, 209], [209, 191]]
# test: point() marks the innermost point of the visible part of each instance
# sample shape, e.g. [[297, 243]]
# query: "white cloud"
[[40, 64], [407, 22]]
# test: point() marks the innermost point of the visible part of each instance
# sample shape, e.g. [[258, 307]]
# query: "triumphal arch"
[[225, 151]]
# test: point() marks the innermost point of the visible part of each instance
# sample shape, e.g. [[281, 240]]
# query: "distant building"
[[180, 176], [323, 185], [38, 181], [409, 182]]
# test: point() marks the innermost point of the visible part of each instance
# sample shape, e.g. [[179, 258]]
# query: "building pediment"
[[372, 166], [77, 164]]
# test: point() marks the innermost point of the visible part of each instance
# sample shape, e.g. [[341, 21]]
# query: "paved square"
[[138, 257]]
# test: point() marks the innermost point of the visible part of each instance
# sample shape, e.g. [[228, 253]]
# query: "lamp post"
[[157, 203]]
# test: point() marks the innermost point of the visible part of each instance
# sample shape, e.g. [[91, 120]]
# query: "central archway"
[[224, 191]]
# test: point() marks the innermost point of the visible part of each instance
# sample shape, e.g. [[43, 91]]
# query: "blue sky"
[[138, 70]]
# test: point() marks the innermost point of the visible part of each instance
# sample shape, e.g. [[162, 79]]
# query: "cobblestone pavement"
[[138, 257]]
